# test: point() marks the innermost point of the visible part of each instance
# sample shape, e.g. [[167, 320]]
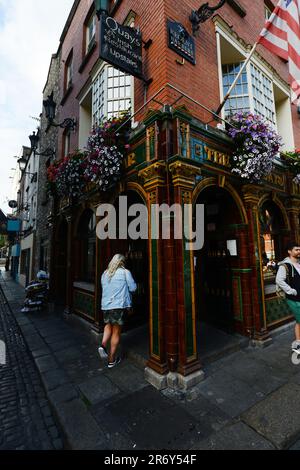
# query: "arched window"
[[87, 243], [271, 232]]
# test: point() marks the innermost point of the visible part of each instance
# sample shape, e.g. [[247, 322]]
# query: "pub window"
[[255, 91], [263, 95], [239, 98], [272, 250], [87, 242], [112, 93]]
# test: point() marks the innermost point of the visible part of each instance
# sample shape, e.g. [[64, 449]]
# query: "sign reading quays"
[[121, 46]]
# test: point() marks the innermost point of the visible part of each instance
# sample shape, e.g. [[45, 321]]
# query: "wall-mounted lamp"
[[203, 14], [34, 139], [101, 6], [22, 162], [50, 108]]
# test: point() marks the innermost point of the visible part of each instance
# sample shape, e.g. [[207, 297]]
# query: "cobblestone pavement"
[[26, 421]]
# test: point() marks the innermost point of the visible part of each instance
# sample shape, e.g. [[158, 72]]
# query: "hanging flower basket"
[[292, 160], [256, 146], [67, 175], [103, 167], [99, 165]]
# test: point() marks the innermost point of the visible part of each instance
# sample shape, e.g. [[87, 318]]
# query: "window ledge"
[[67, 93], [237, 7], [87, 56]]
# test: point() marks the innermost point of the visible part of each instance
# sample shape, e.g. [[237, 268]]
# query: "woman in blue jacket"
[[117, 286]]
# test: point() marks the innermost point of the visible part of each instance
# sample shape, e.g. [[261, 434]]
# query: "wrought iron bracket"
[[203, 14], [48, 152], [68, 123]]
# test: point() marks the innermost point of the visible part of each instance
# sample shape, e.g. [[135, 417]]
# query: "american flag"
[[281, 35]]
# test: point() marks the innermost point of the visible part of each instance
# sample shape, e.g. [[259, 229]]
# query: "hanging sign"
[[121, 46], [181, 42]]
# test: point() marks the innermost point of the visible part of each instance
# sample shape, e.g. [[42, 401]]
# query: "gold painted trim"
[[213, 181], [131, 186], [277, 201]]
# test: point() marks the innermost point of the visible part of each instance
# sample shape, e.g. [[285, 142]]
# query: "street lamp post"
[[50, 109], [34, 138], [101, 6]]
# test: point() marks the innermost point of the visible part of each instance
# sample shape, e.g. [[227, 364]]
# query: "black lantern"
[[34, 139], [50, 109], [22, 162], [101, 6]]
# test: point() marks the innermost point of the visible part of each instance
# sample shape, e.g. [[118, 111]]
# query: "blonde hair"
[[118, 261]]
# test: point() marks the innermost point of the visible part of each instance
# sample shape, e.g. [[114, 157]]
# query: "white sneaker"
[[110, 365], [103, 353]]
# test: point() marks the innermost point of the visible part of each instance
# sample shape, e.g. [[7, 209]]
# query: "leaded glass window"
[[263, 97], [112, 91], [239, 98]]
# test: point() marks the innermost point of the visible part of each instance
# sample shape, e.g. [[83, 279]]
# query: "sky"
[[29, 35]]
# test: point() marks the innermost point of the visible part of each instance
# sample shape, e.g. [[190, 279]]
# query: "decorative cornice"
[[153, 175], [184, 174]]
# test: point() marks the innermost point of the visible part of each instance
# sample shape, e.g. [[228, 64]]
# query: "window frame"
[[69, 72]]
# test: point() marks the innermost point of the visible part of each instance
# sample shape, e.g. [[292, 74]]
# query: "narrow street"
[[248, 399], [26, 420]]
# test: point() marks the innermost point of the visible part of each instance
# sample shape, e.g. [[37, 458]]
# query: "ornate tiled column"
[[153, 178], [261, 336], [189, 367]]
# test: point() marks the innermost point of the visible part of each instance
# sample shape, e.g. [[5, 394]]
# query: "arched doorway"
[[85, 245], [273, 236], [136, 253], [60, 263], [216, 261]]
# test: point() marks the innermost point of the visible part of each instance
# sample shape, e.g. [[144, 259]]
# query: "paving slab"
[[62, 394], [68, 354], [54, 379], [277, 417], [81, 430], [236, 436], [152, 421], [98, 389], [127, 377], [45, 363], [231, 395]]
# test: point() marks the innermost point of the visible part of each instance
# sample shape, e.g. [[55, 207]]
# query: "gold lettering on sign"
[[217, 157], [275, 179]]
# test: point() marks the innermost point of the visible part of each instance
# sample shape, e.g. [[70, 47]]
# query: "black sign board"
[[121, 46], [181, 42]]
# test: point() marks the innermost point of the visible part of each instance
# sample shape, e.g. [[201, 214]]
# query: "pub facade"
[[178, 154]]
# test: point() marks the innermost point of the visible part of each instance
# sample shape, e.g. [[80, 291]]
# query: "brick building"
[[179, 155], [47, 143]]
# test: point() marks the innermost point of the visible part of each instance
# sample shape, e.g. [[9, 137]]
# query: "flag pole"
[[236, 79]]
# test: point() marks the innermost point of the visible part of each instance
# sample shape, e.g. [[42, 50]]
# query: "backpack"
[[279, 292]]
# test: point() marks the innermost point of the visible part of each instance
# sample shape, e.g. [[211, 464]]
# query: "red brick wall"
[[199, 81]]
